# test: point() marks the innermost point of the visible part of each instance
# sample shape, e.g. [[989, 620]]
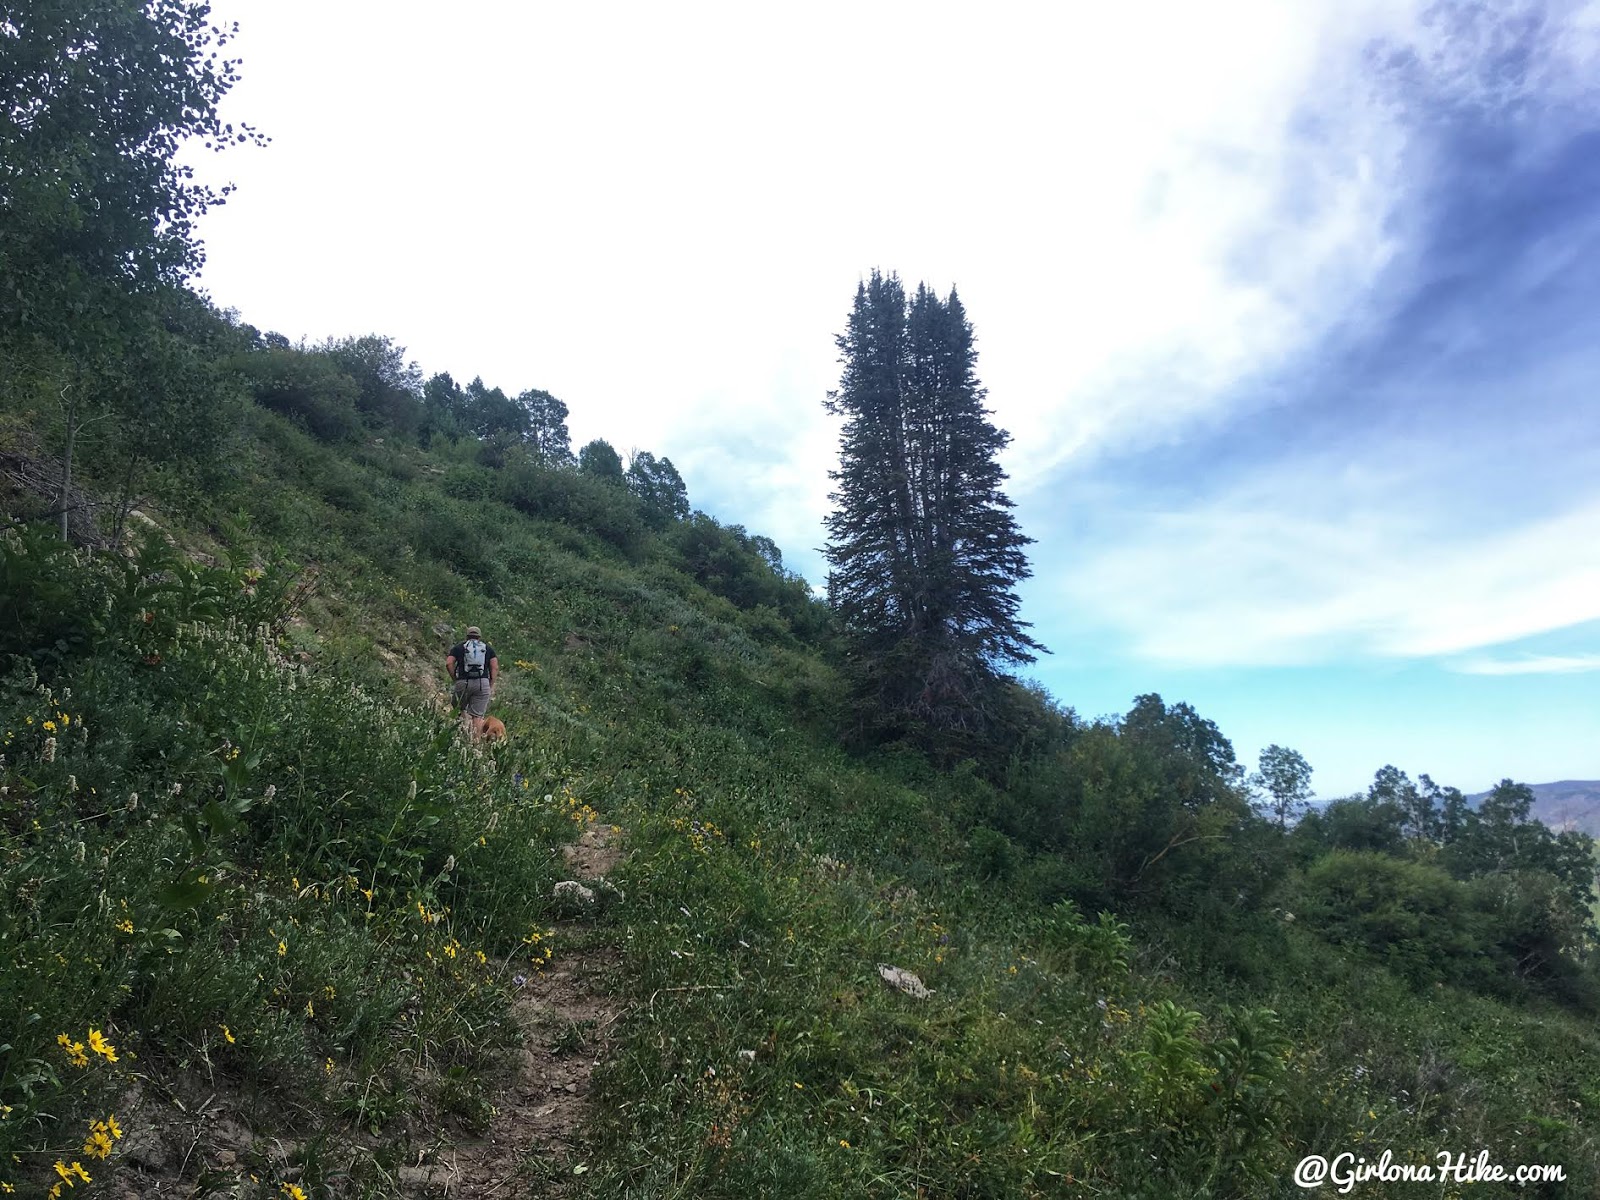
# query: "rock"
[[904, 981], [571, 889]]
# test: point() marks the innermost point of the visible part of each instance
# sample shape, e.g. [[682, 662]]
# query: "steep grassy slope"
[[318, 906]]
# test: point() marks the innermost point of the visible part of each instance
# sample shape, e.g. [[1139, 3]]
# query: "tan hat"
[[474, 631]]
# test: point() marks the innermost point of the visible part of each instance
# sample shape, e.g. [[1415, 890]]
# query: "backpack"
[[474, 659]]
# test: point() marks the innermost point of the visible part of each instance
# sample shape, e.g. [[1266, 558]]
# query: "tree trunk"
[[66, 469], [124, 502]]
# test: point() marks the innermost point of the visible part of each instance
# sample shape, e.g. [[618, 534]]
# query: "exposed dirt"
[[595, 853], [531, 1147]]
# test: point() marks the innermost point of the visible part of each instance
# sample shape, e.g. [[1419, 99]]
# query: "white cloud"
[[1299, 570], [1532, 664]]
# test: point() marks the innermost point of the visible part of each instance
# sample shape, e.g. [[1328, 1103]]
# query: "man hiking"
[[473, 669]]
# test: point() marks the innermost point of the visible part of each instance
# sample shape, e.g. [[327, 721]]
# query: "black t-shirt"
[[459, 653]]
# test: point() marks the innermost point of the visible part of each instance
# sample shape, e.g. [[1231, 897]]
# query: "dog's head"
[[493, 729]]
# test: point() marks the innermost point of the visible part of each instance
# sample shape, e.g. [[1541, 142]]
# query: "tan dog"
[[492, 729]]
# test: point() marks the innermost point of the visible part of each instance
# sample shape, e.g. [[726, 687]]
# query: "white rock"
[[905, 981], [571, 889]]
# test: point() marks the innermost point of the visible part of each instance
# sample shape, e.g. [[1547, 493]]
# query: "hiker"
[[473, 669]]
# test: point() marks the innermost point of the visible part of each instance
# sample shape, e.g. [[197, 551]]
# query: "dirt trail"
[[531, 1148]]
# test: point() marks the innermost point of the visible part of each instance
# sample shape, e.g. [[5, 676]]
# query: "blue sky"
[[1290, 307]]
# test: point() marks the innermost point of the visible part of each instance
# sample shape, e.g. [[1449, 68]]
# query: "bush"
[[568, 498], [305, 386], [1412, 916]]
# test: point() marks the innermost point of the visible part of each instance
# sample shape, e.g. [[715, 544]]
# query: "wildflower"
[[75, 1054], [310, 1011], [100, 1046], [293, 1192], [124, 926], [68, 1173], [227, 1035], [283, 947], [97, 1144], [49, 750], [49, 727], [133, 801], [844, 1143], [112, 1127], [327, 1066]]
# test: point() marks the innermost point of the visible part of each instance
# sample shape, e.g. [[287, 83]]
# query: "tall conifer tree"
[[924, 551]]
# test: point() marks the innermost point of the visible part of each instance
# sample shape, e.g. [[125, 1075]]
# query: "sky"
[[1292, 308]]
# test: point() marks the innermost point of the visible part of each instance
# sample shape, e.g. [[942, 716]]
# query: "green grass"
[[313, 906]]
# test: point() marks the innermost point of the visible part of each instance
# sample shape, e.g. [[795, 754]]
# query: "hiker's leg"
[[477, 703]]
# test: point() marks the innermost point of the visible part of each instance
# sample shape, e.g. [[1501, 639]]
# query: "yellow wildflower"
[[75, 1054], [327, 1066], [100, 1046], [124, 926], [227, 1035], [49, 726], [97, 1144], [310, 1011], [293, 1192], [111, 1124], [283, 947], [69, 1174]]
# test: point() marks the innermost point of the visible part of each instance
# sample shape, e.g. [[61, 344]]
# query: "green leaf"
[[189, 890]]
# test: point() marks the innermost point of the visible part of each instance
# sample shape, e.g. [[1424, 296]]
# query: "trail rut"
[[532, 1145]]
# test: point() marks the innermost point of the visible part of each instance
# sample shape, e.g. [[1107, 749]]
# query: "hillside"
[[258, 859], [1569, 804]]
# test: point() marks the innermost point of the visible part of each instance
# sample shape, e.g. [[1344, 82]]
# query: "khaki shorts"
[[472, 696]]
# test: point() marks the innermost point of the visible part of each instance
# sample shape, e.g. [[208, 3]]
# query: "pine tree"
[[924, 551]]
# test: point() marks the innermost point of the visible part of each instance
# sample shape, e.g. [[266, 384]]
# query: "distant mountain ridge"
[[1568, 804]]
